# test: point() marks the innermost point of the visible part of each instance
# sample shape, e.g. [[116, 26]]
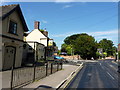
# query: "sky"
[[62, 19]]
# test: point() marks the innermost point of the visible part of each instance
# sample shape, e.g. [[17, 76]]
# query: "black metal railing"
[[22, 76], [26, 75]]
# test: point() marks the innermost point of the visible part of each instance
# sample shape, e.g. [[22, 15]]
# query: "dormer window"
[[12, 27]]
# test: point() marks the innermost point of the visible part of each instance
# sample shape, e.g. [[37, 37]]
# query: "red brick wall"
[[119, 47]]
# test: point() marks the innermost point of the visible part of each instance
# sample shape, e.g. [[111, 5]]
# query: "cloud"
[[67, 6], [44, 21], [5, 2], [2, 2], [98, 35], [101, 33]]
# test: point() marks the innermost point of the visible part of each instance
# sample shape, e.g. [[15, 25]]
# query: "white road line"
[[110, 75], [102, 66], [111, 66]]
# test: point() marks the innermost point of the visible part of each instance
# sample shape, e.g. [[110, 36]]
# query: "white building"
[[41, 36], [38, 35]]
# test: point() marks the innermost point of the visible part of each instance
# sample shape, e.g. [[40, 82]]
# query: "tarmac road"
[[101, 74]]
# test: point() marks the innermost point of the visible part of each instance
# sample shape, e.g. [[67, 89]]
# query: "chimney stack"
[[36, 25]]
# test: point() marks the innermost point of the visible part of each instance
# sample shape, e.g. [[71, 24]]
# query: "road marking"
[[100, 63], [111, 66], [70, 77], [89, 74], [110, 75]]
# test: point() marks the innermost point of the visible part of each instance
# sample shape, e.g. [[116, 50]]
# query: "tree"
[[63, 47], [104, 54], [66, 48], [86, 46], [119, 55], [107, 46], [98, 55], [83, 45], [71, 39]]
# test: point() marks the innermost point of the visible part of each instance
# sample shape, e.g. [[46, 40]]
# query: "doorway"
[[9, 57]]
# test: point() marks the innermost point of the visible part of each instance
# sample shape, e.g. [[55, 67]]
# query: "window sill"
[[13, 33]]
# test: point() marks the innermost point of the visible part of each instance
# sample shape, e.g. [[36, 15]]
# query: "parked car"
[[58, 57]]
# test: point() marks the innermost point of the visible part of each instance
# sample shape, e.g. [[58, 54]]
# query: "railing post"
[[12, 78], [46, 69], [51, 67], [45, 55], [61, 65], [35, 59]]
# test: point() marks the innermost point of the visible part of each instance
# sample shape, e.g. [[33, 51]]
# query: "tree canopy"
[[87, 47], [71, 39], [107, 46], [82, 44]]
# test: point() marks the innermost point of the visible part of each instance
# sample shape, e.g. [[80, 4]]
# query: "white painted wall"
[[36, 36], [44, 41]]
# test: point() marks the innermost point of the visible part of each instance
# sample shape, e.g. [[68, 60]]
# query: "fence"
[[26, 75]]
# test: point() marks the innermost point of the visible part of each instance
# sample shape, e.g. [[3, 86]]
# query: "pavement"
[[5, 78], [55, 80], [101, 74]]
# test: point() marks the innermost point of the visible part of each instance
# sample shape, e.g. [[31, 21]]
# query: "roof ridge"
[[9, 9], [9, 5]]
